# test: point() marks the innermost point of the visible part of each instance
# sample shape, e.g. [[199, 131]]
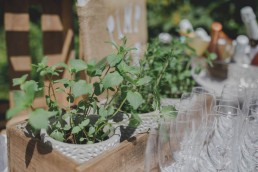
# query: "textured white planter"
[[82, 152], [169, 101], [149, 120]]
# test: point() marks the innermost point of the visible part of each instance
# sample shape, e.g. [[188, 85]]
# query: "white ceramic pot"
[[82, 152]]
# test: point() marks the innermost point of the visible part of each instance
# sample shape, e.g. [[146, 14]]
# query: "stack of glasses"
[[209, 133]]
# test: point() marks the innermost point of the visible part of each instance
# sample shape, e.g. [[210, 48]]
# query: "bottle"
[[186, 28], [251, 25], [216, 28], [242, 50]]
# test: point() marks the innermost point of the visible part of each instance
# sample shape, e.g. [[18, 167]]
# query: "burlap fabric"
[[94, 21]]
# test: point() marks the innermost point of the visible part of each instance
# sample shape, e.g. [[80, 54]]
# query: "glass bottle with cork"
[[251, 25], [218, 43]]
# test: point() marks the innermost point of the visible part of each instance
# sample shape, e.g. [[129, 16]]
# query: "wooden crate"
[[29, 154]]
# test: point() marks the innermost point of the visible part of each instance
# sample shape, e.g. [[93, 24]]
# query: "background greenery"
[[163, 16]]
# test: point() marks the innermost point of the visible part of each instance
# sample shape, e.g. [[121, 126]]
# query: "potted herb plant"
[[171, 65], [146, 113], [85, 129]]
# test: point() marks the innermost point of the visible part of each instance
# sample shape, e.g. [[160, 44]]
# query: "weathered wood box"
[[30, 154]]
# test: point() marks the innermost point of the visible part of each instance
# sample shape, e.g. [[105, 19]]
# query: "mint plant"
[[170, 65], [87, 121]]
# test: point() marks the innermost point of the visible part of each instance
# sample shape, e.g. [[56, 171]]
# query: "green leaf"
[[84, 123], [67, 127], [13, 111], [77, 65], [60, 65], [76, 130], [19, 98], [30, 88], [98, 88], [112, 79], [144, 80], [114, 59], [19, 81], [94, 69], [114, 44], [81, 88], [103, 112], [66, 115], [90, 142], [110, 110], [91, 131], [82, 139], [70, 98], [135, 120], [135, 99], [39, 118], [67, 83], [57, 135]]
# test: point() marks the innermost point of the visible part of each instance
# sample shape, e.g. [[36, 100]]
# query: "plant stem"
[[88, 110], [51, 87], [113, 97], [107, 70], [103, 125], [107, 98], [119, 108], [161, 74], [32, 108], [85, 133]]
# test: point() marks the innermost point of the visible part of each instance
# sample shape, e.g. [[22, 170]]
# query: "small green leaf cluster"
[[171, 65], [83, 119]]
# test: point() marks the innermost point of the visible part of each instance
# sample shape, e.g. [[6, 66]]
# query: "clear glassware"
[[165, 145], [247, 159], [208, 97], [251, 99], [232, 90], [151, 158], [219, 147], [228, 101]]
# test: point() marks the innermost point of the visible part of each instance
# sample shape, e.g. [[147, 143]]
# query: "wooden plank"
[[29, 154], [21, 63], [127, 157], [57, 28], [16, 23], [21, 21]]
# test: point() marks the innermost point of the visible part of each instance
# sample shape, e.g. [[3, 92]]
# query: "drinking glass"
[[151, 159], [251, 99], [165, 146], [248, 152], [232, 90], [228, 101], [219, 145], [209, 97]]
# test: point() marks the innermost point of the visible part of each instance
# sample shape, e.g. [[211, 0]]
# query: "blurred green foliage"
[[165, 15]]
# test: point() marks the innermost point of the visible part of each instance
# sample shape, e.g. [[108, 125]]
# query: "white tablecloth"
[[3, 153]]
